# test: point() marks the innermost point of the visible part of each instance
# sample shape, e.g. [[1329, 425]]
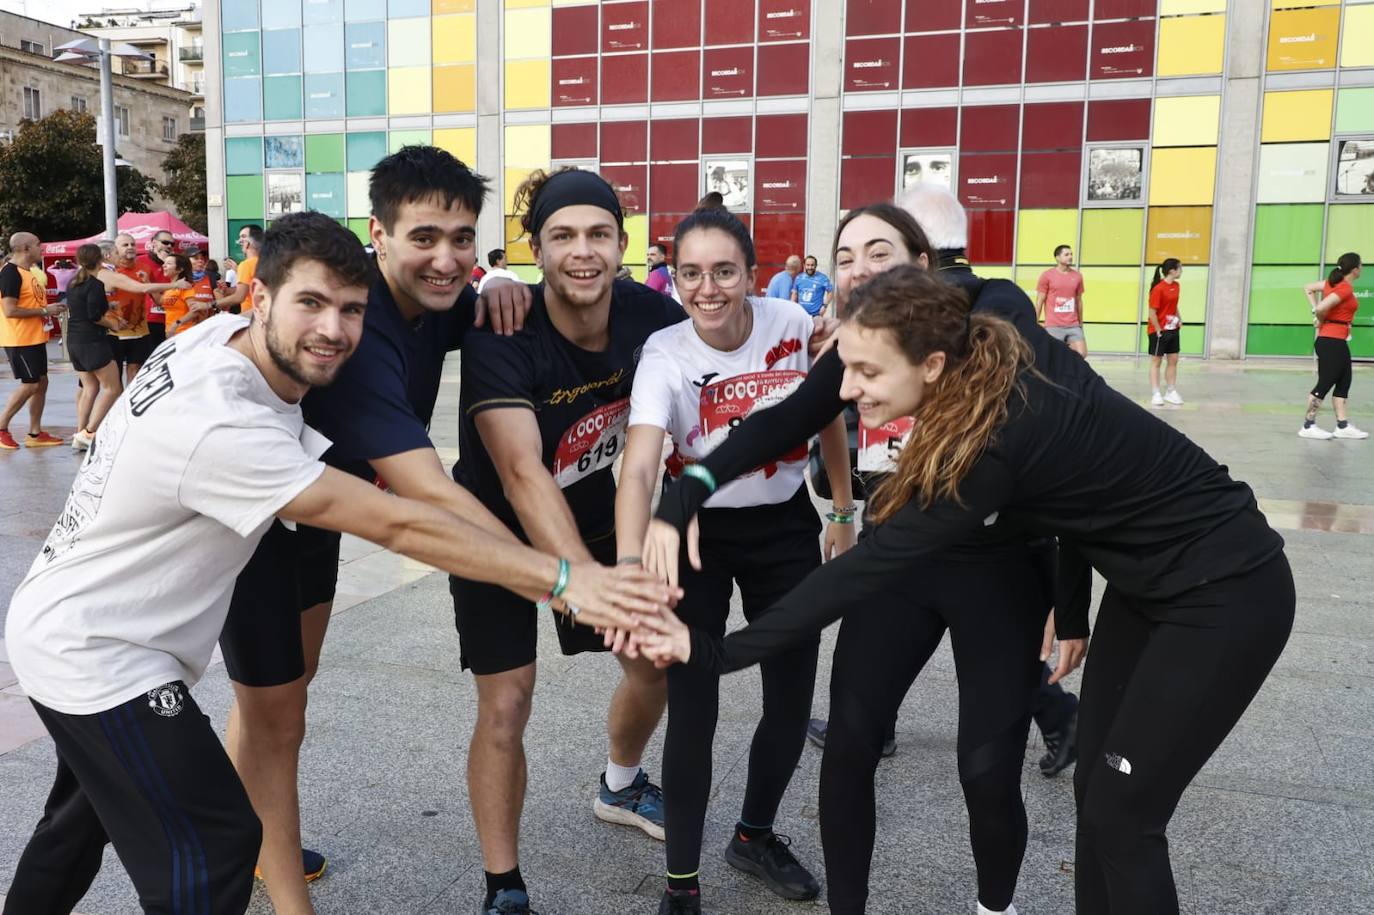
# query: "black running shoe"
[[769, 857], [816, 730], [680, 902], [506, 902], [1062, 747]]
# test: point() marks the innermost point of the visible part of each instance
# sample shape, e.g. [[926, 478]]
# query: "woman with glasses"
[[696, 382]]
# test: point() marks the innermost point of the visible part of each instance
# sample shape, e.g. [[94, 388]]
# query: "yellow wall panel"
[[407, 40], [1303, 39], [1184, 176], [637, 228], [527, 84], [1181, 232], [1190, 45], [455, 88], [1038, 231], [529, 33], [517, 245], [1111, 236], [528, 145], [1357, 39], [1293, 4], [455, 39], [1186, 120], [1111, 294], [513, 177], [1027, 277], [408, 90], [1301, 115], [519, 4], [1185, 7], [440, 7], [461, 141]]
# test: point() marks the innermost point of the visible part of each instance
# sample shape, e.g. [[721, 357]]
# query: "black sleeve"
[[1006, 300], [461, 318], [498, 372], [1073, 592], [865, 576], [763, 437], [10, 284]]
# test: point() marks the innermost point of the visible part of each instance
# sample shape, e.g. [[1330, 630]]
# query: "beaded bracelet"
[[702, 474]]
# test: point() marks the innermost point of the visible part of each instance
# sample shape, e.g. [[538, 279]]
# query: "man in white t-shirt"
[[496, 258], [119, 613]]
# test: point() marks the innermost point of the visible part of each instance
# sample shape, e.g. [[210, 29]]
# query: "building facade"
[[1235, 135], [173, 39]]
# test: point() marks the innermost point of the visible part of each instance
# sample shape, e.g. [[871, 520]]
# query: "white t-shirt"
[[697, 394], [494, 272], [187, 471]]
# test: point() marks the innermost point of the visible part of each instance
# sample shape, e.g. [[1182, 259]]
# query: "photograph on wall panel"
[[285, 193], [1115, 176], [917, 165], [731, 178], [1354, 171]]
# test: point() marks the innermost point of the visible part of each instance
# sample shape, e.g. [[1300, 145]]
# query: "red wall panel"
[[987, 14], [869, 133], [574, 81], [992, 58], [781, 136], [1058, 11], [990, 234], [1123, 50], [989, 128], [727, 73], [1051, 179], [1122, 9], [673, 140], [930, 61], [662, 227], [727, 135], [784, 20], [929, 127], [625, 27], [872, 17], [625, 79], [933, 15], [867, 180], [677, 23], [1058, 54], [629, 182], [784, 69], [987, 180], [729, 22], [574, 141], [780, 186], [1119, 119], [674, 188], [1052, 125], [575, 30], [624, 141], [676, 75], [870, 64], [776, 237]]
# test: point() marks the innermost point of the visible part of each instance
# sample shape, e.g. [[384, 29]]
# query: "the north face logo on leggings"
[[1119, 763]]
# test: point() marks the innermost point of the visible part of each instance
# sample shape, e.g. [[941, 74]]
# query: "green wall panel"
[[1278, 340], [1111, 237], [1276, 295], [1348, 228], [359, 228], [365, 93], [1192, 293], [401, 138], [1111, 294], [324, 152], [325, 193], [1355, 110], [243, 156], [1110, 338], [240, 54], [281, 98], [365, 150], [243, 197], [234, 226], [1288, 234], [1363, 344]]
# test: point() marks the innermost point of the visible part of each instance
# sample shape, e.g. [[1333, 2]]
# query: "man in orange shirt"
[[24, 335], [149, 265], [133, 344], [250, 240]]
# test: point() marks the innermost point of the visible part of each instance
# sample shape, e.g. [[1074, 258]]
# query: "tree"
[[52, 184], [185, 184]]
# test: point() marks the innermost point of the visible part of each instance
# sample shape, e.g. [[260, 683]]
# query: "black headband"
[[573, 188]]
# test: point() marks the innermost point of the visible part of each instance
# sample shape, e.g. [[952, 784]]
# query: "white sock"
[[1156, 391], [984, 910], [618, 778]]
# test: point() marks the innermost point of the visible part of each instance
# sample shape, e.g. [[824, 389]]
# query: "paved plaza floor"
[[1280, 821]]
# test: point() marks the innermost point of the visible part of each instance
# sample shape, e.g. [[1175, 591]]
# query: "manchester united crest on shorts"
[[166, 700]]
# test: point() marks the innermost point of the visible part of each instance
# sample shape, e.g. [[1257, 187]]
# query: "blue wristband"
[[562, 584], [702, 474]]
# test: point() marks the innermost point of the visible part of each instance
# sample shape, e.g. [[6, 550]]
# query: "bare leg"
[[130, 370], [110, 389], [496, 764], [17, 399], [1314, 404], [36, 404], [1338, 404], [266, 729], [1171, 371], [85, 399], [636, 708], [1080, 347], [1154, 373]]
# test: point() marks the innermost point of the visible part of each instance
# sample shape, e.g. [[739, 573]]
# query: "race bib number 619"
[[591, 444]]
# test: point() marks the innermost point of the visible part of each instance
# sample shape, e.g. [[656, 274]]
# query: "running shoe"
[[1349, 432], [1314, 431], [507, 902], [769, 858], [984, 910], [82, 440], [1156, 399], [640, 804], [1061, 748], [314, 863], [41, 440], [1174, 398], [7, 442], [815, 732], [679, 902]]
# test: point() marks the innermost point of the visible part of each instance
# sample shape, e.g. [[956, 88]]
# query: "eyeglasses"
[[725, 277], [168, 242]]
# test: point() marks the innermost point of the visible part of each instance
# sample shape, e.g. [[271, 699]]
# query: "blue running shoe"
[[507, 902], [640, 804]]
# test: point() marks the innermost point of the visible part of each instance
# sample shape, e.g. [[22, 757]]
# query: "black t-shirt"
[[383, 398], [86, 304], [11, 283], [581, 400]]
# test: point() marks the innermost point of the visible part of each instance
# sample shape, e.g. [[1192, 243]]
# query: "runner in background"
[[89, 346], [24, 314], [149, 267], [184, 308], [1333, 313], [1164, 329], [239, 300], [1059, 301], [812, 289], [660, 278], [128, 288]]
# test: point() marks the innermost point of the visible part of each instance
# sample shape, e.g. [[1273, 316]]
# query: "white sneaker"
[[1174, 398], [1314, 431], [984, 910], [1156, 399], [82, 440], [1349, 432]]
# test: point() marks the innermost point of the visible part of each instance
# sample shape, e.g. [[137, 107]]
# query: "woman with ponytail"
[[1165, 324], [1333, 314], [1199, 600]]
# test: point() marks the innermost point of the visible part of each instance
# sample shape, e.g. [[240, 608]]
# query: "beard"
[[290, 363]]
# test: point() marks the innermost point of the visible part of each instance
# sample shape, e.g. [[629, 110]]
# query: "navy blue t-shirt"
[[580, 398], [381, 402]]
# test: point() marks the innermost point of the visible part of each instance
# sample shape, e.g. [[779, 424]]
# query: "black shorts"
[[1164, 343], [290, 572], [157, 332], [90, 355], [29, 363], [132, 350], [499, 630]]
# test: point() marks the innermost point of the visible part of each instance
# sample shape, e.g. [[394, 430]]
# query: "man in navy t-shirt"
[[812, 289], [423, 228]]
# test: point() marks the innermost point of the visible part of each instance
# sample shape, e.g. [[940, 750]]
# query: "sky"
[[62, 12]]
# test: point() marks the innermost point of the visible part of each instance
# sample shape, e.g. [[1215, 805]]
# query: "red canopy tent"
[[142, 226]]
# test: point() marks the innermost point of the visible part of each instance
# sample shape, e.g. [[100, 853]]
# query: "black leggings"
[[1165, 682], [1333, 367], [995, 614], [766, 549]]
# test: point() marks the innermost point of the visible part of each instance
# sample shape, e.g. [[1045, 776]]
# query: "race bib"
[[1172, 322], [1064, 306], [725, 404], [879, 448], [591, 444]]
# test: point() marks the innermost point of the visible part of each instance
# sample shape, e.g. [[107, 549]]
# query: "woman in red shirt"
[[1165, 325], [1333, 312]]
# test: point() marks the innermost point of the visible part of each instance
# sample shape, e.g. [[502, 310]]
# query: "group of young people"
[[1012, 470]]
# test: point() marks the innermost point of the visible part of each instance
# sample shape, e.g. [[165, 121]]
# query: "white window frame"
[[33, 103], [79, 104], [122, 116], [1136, 203], [949, 151], [1335, 154], [169, 126]]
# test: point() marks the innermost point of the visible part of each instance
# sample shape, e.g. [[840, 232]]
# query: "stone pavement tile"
[[19, 723], [1218, 888]]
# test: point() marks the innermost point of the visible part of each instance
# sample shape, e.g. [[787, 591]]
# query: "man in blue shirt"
[[813, 289], [780, 286]]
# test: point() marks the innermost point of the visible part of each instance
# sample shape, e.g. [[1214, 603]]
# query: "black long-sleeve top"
[[1125, 492]]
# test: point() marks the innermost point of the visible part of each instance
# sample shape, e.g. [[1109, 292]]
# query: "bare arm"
[[1080, 307], [1040, 297], [11, 308], [635, 488], [1326, 304], [113, 280], [419, 475], [839, 536], [234, 298], [511, 437]]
